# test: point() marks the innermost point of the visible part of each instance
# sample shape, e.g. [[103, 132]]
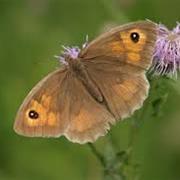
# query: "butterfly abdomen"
[[80, 72]]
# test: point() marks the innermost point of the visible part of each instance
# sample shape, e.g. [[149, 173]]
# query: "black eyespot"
[[33, 114], [135, 37]]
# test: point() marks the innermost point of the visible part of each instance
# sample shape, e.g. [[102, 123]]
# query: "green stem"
[[97, 154]]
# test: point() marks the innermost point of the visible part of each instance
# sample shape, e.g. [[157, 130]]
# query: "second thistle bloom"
[[166, 58]]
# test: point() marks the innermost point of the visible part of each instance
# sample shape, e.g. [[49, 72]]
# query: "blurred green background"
[[31, 32]]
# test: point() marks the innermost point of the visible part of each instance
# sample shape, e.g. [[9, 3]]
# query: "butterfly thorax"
[[75, 66]]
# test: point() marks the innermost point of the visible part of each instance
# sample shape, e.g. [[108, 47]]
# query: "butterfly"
[[96, 86]]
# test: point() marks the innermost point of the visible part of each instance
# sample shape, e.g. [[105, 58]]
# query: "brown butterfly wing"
[[118, 46], [87, 118], [46, 99], [117, 65], [64, 107], [124, 90]]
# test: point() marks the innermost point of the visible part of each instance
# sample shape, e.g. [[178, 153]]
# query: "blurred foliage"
[[31, 32]]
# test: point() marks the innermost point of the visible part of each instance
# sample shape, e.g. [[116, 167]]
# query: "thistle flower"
[[72, 52], [166, 57]]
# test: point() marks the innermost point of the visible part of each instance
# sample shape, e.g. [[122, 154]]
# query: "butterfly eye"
[[33, 114], [134, 37]]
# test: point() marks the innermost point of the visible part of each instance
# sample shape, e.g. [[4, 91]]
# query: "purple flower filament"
[[71, 52], [166, 58]]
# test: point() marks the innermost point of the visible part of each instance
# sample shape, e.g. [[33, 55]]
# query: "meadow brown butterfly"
[[102, 84]]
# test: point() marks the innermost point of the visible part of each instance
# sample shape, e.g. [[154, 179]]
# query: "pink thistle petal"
[[166, 58], [71, 52]]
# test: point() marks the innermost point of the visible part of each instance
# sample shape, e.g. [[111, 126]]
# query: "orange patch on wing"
[[133, 56], [127, 89], [129, 44], [44, 115], [117, 47], [82, 121], [52, 119], [46, 100]]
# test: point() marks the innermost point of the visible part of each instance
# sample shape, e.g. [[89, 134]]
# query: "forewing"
[[117, 45], [47, 99]]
